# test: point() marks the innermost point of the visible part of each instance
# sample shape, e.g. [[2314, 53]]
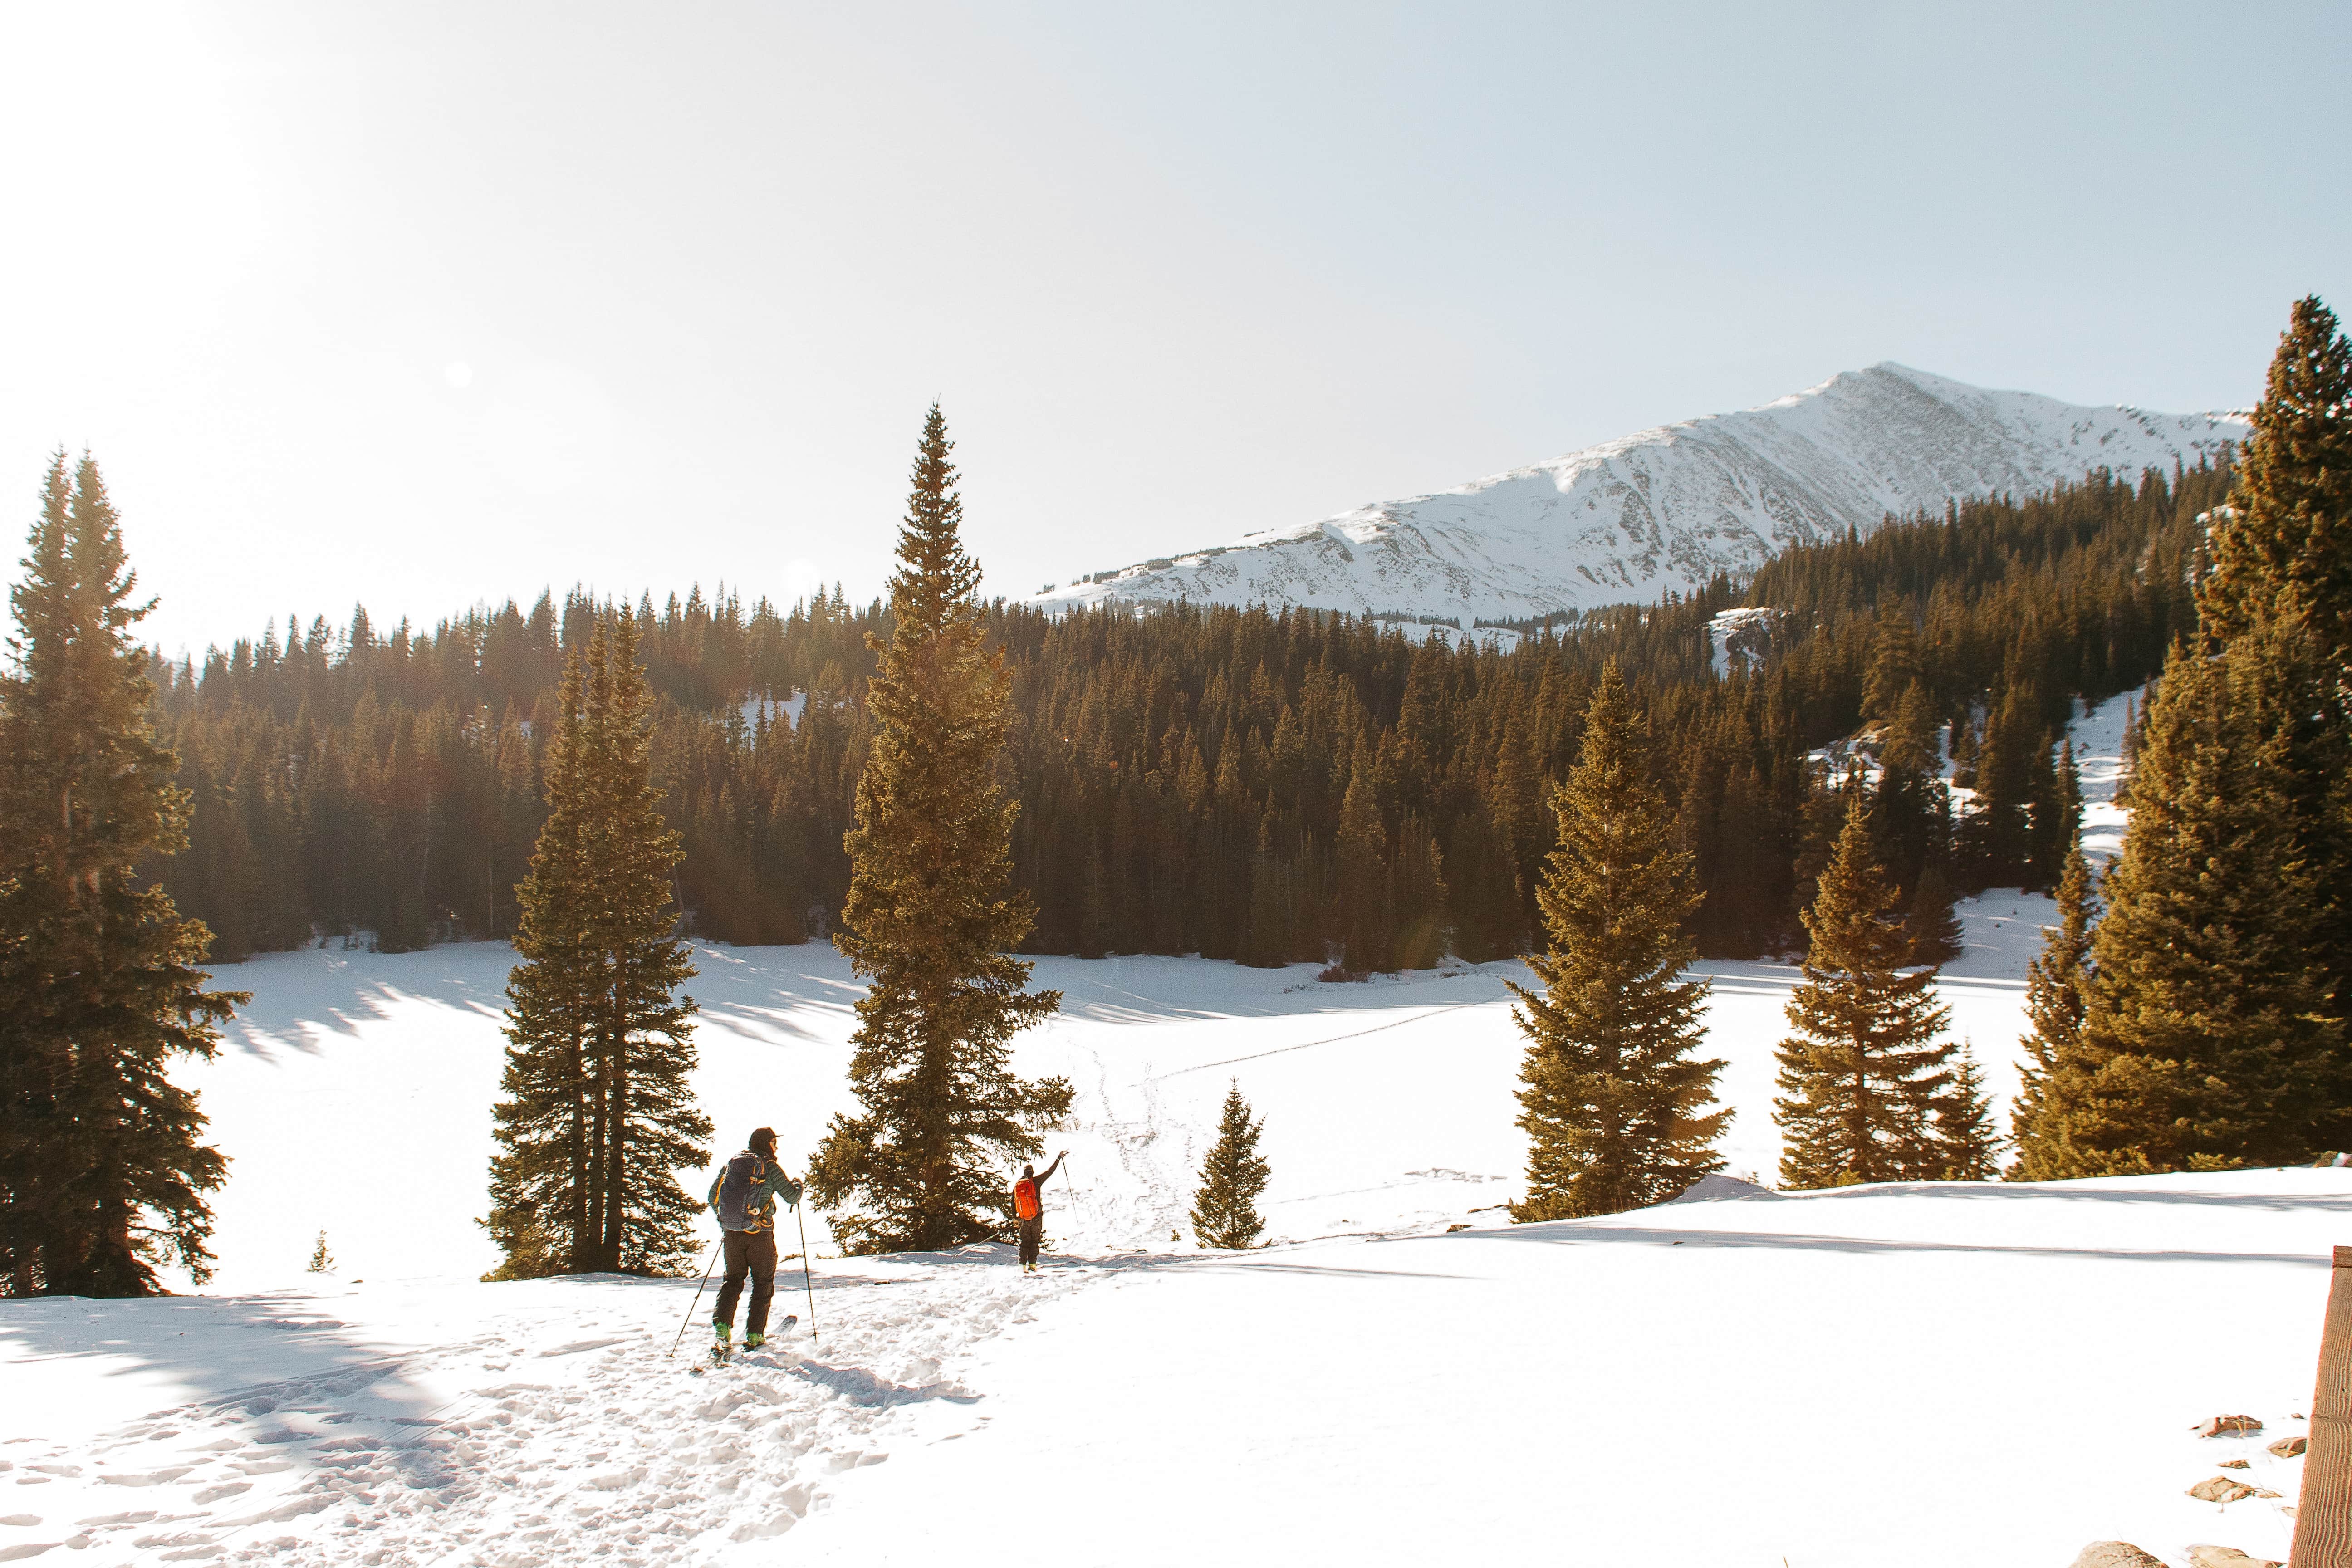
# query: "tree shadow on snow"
[[1571, 1233], [2084, 1192]]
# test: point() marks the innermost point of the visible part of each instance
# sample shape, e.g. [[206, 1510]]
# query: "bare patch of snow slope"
[[1666, 509]]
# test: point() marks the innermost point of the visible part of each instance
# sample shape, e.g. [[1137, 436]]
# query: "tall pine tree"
[[102, 1172], [931, 921], [1615, 1100], [2208, 1037], [2286, 536], [598, 1115], [2054, 984], [2282, 552], [1868, 1093]]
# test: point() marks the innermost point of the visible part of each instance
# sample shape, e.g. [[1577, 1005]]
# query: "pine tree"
[[1933, 923], [1963, 1125], [1868, 1093], [1614, 1102], [1910, 808], [1367, 916], [2284, 543], [322, 1260], [930, 922], [598, 1114], [2054, 1004], [2282, 552], [102, 1169], [2208, 1038], [2053, 809], [1417, 893], [1224, 1209], [1998, 829], [1894, 662], [1268, 941]]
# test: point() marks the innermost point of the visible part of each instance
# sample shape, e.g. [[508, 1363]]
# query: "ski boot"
[[722, 1343], [753, 1342]]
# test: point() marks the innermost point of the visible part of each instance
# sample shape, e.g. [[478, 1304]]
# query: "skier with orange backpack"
[[1029, 1208]]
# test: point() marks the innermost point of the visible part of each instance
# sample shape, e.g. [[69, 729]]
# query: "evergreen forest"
[[1266, 786]]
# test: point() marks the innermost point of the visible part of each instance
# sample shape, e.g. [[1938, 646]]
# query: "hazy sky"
[[423, 305]]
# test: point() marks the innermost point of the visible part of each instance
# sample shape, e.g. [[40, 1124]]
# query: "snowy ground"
[[1942, 1375], [354, 1096], [1931, 1374]]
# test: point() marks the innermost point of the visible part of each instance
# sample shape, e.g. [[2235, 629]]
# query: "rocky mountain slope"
[[1667, 508]]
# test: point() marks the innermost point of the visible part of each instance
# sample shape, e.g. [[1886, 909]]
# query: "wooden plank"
[[2323, 1515]]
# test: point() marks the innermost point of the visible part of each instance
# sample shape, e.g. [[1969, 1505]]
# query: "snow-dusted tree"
[[1616, 1102], [1224, 1209]]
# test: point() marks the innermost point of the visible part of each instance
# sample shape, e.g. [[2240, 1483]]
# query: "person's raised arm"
[[1051, 1168]]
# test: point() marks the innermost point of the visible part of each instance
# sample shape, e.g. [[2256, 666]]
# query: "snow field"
[[1934, 1374], [549, 1425], [355, 1094]]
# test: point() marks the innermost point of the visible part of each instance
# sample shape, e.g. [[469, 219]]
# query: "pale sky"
[[425, 304]]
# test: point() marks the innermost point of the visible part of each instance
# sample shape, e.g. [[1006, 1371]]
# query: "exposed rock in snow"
[[1668, 509], [2116, 1554], [1743, 634], [2204, 1556], [2219, 1489], [2226, 1426], [1710, 1188], [2290, 1447]]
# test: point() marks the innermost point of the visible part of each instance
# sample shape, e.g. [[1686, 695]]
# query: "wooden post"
[[2323, 1516]]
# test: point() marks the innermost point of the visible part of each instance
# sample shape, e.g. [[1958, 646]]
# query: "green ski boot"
[[722, 1343], [753, 1342]]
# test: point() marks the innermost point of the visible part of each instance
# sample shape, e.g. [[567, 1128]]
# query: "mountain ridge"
[[1667, 508]]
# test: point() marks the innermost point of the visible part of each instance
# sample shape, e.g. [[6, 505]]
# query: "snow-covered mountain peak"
[[1668, 507]]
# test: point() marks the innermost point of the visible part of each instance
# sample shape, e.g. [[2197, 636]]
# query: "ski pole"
[[698, 1289], [807, 1284]]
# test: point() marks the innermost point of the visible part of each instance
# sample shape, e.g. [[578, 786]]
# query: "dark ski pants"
[[753, 1253], [1033, 1232]]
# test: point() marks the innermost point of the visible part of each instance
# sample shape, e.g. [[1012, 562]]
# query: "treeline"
[[1260, 785]]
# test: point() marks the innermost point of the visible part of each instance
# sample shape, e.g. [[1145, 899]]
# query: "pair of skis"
[[723, 1352], [808, 1283]]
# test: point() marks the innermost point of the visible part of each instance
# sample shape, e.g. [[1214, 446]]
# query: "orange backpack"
[[1024, 1198]]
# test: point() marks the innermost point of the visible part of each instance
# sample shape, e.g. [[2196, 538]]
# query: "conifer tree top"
[[936, 576], [2290, 531]]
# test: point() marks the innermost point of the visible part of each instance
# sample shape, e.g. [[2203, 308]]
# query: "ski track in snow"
[[559, 1445]]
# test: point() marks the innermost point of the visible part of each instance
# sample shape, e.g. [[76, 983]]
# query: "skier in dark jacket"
[[743, 1196], [1029, 1208]]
